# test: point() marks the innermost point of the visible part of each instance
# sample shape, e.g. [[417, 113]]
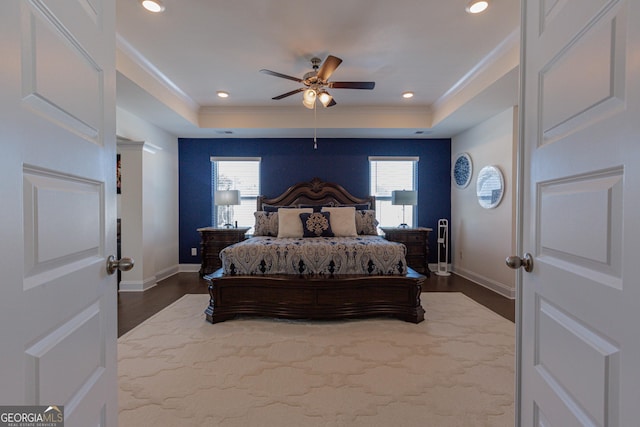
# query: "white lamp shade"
[[309, 95], [308, 104], [227, 197], [325, 98], [404, 197]]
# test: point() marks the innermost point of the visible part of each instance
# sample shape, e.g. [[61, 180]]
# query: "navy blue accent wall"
[[288, 161]]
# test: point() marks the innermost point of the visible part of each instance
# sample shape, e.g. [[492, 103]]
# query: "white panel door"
[[57, 139], [579, 345]]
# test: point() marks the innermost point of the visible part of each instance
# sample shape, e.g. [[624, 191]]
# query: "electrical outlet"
[[194, 251]]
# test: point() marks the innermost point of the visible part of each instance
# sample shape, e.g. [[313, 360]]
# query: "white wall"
[[481, 238], [148, 204]]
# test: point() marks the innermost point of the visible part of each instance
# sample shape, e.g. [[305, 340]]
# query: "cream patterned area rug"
[[454, 369]]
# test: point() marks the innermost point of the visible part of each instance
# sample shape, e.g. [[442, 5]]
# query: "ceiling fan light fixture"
[[154, 6], [309, 96], [308, 104], [325, 98], [477, 6], [315, 83]]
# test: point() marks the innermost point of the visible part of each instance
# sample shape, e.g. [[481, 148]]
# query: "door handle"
[[124, 264], [516, 262]]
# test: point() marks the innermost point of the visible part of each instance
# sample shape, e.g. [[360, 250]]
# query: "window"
[[386, 175], [235, 173]]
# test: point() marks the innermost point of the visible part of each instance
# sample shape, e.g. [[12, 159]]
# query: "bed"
[[372, 282]]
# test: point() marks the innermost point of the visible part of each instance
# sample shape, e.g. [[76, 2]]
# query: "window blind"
[[386, 175], [235, 173]]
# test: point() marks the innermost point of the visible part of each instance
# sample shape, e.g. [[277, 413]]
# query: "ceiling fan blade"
[[352, 85], [284, 95], [328, 67], [284, 76]]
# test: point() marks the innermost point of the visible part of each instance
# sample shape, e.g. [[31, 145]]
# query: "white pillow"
[[289, 222], [343, 221]]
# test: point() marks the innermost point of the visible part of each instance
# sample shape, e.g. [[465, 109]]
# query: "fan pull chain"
[[315, 126]]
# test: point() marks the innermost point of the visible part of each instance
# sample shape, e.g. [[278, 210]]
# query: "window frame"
[[387, 198], [243, 197]]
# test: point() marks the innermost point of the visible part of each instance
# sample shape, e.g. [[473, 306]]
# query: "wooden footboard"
[[316, 297]]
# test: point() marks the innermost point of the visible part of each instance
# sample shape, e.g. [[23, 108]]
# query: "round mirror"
[[490, 187]]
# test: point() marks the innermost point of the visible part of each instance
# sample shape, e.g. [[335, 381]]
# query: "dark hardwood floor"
[[136, 307]]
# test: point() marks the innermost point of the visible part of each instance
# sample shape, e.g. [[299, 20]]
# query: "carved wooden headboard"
[[315, 192]]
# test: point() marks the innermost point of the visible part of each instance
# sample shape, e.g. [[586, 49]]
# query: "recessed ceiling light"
[[152, 5], [477, 6], [407, 95], [222, 94]]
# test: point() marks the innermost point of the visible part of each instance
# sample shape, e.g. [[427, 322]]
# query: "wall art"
[[462, 170], [490, 187]]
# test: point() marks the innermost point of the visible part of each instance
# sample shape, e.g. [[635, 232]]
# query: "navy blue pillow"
[[316, 224], [359, 207], [269, 208], [316, 208]]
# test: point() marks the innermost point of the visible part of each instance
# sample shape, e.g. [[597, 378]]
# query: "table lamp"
[[227, 198], [404, 198]]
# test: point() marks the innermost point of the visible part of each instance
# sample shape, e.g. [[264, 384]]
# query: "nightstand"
[[417, 242], [212, 241]]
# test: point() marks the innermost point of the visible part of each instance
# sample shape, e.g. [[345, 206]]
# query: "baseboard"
[[138, 285], [141, 286], [189, 268], [167, 272], [497, 287]]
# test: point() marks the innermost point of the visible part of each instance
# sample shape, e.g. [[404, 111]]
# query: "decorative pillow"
[[266, 223], [343, 221], [289, 224], [316, 224], [316, 208], [366, 222], [359, 207], [270, 208]]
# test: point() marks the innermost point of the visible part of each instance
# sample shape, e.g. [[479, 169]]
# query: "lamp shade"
[[309, 104], [309, 95], [325, 98], [404, 197], [227, 197]]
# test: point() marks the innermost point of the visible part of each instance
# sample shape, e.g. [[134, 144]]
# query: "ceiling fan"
[[317, 81]]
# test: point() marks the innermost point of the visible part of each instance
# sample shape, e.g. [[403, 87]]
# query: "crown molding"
[[125, 144], [300, 117], [141, 61], [504, 49]]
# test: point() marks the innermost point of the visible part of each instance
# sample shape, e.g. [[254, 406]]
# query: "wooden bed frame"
[[315, 297]]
